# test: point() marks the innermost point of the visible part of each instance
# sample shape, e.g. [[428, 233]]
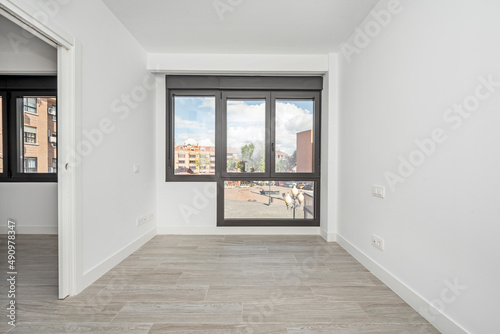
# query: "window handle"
[[272, 147]]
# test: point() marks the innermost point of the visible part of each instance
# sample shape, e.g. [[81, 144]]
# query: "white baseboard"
[[264, 230], [329, 237], [102, 268], [442, 322], [32, 229]]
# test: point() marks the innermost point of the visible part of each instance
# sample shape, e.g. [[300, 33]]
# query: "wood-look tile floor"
[[210, 284]]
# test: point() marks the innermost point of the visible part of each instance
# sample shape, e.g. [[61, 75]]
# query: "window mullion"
[[220, 149], [269, 136]]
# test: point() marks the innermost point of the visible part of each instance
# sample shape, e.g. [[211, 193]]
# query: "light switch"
[[136, 168], [378, 191]]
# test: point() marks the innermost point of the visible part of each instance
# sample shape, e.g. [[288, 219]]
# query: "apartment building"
[[40, 135], [194, 159]]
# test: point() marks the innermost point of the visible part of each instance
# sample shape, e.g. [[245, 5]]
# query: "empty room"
[[249, 166]]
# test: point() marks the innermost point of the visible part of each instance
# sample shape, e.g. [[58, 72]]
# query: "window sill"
[[32, 144]]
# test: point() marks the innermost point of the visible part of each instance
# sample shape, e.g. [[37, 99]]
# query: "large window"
[[294, 136], [245, 135], [260, 145], [194, 135], [28, 143]]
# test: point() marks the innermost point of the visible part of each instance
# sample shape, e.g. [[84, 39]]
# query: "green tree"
[[197, 163], [241, 166], [232, 164], [246, 157], [247, 152]]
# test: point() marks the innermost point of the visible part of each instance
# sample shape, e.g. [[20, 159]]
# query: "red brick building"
[[40, 135]]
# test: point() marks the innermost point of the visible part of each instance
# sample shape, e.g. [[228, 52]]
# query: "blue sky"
[[195, 121]]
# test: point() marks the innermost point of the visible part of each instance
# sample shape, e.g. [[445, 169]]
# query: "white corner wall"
[[441, 224], [23, 53], [117, 120], [329, 151], [190, 207]]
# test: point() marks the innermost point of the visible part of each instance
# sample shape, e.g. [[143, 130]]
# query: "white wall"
[[329, 151], [23, 53], [442, 223], [118, 131], [33, 206], [190, 208]]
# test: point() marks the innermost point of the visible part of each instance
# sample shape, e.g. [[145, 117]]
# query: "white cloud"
[[290, 120], [187, 124], [245, 123], [207, 102]]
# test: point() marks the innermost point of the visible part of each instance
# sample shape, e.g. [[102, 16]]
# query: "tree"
[[197, 163], [241, 166], [232, 164], [247, 152], [246, 157], [206, 162]]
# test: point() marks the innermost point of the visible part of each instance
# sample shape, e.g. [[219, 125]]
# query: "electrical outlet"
[[377, 242], [378, 191], [142, 220], [150, 217]]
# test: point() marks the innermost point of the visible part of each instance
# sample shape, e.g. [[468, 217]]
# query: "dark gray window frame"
[[273, 88], [171, 176], [11, 88]]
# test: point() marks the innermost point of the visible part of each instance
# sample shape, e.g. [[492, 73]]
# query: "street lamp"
[[294, 200]]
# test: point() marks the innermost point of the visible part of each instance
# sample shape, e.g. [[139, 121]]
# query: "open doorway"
[[28, 162], [68, 187]]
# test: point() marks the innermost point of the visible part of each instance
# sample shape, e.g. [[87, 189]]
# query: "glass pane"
[[269, 200], [294, 136], [246, 136], [194, 131], [1, 135], [38, 131]]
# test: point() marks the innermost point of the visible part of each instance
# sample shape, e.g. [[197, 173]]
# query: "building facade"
[[194, 159], [39, 135]]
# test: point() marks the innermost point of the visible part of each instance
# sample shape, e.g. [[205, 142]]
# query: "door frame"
[[69, 135]]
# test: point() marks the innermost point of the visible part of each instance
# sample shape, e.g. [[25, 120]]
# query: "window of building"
[[30, 105], [30, 165], [53, 112], [54, 166], [28, 143], [193, 129], [260, 145], [29, 135], [294, 136]]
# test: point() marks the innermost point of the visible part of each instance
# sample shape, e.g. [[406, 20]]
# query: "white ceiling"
[[252, 26]]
